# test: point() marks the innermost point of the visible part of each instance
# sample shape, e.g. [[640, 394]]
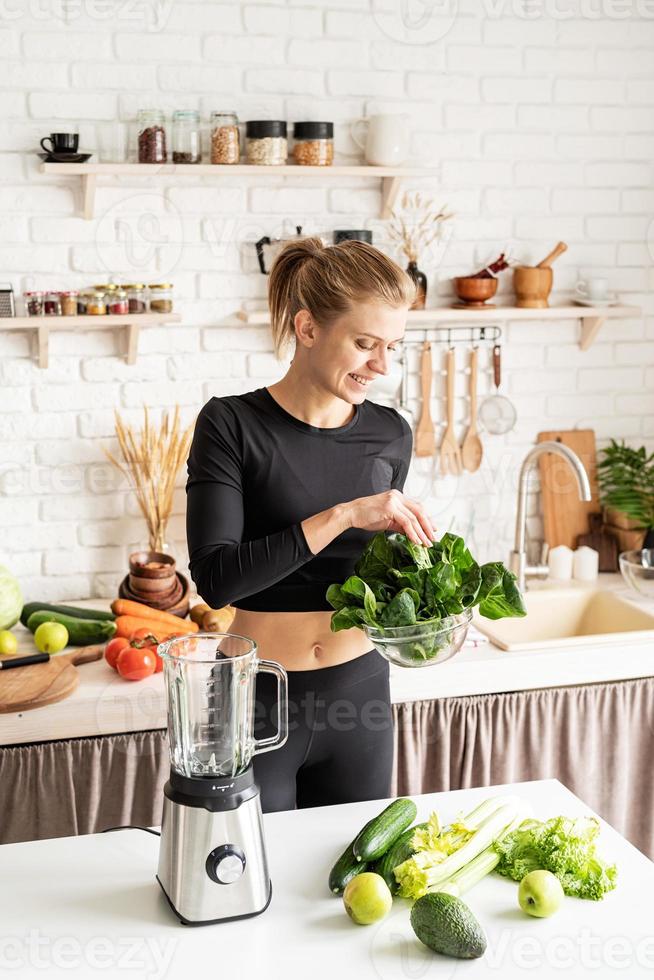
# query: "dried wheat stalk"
[[420, 229], [151, 461]]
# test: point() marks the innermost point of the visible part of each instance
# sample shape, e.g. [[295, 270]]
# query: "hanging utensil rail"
[[454, 335]]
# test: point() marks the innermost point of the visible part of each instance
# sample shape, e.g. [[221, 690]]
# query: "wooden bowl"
[[179, 607], [158, 597], [151, 564], [473, 291], [151, 586]]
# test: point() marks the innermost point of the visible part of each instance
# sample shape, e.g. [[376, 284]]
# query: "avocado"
[[446, 925]]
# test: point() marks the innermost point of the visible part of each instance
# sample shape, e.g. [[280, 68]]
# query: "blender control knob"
[[225, 864]]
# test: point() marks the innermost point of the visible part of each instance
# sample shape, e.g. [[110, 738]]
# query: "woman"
[[286, 485]]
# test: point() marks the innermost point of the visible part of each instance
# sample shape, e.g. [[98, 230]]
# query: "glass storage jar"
[[225, 139], [152, 136], [161, 297], [117, 302], [136, 298], [265, 142], [82, 300], [314, 144], [69, 302], [52, 304], [96, 303], [186, 136], [34, 303]]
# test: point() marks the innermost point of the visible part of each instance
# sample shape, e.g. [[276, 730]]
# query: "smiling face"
[[346, 356]]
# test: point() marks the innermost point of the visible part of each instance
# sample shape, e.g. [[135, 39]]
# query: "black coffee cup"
[[61, 143]]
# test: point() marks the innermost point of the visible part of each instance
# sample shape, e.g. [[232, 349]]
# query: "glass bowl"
[[637, 569], [423, 644]]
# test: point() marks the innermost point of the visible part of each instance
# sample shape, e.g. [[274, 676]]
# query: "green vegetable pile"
[[399, 583], [563, 845]]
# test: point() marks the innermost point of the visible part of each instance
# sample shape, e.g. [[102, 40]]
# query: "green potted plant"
[[626, 484]]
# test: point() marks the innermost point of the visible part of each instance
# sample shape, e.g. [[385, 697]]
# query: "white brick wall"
[[538, 119]]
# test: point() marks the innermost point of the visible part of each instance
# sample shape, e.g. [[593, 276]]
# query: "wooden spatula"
[[425, 441], [450, 452], [472, 449]]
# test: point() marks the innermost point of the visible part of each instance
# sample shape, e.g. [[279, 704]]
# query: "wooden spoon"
[[472, 449], [450, 453], [425, 442]]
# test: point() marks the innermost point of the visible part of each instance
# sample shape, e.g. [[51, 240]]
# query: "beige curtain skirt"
[[596, 739]]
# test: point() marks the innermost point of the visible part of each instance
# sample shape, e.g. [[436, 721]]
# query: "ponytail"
[[327, 280]]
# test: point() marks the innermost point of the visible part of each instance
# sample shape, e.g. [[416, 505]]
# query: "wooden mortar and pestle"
[[533, 284]]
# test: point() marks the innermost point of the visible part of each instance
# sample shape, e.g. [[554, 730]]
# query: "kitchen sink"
[[571, 617]]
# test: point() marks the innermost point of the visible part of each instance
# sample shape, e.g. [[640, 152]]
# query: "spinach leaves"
[[398, 583]]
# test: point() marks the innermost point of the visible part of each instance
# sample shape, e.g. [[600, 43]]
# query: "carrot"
[[127, 607], [126, 625]]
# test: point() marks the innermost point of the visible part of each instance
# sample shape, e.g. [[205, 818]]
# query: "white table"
[[81, 907]]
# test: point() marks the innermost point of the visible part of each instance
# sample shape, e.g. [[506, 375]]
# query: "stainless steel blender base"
[[212, 862]]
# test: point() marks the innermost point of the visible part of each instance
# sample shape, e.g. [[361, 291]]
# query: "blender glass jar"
[[210, 683]]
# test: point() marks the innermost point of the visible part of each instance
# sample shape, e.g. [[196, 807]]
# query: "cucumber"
[[397, 853], [81, 632], [75, 611], [378, 835], [346, 868]]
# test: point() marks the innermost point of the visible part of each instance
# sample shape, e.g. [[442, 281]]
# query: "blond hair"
[[327, 280]]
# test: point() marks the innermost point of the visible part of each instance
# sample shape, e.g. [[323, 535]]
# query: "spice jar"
[[225, 145], [82, 300], [186, 136], [152, 136], [117, 302], [266, 143], [96, 304], [69, 302], [34, 303], [161, 297], [314, 144], [52, 304], [136, 298]]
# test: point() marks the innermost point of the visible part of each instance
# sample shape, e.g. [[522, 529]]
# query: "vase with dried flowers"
[[152, 458], [414, 229]]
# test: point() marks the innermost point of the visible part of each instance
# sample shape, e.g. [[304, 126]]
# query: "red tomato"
[[113, 648], [145, 633], [134, 664]]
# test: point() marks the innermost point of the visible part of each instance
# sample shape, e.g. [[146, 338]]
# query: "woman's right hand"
[[392, 511]]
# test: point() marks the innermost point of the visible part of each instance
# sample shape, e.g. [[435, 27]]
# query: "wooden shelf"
[[591, 317], [391, 177], [44, 325]]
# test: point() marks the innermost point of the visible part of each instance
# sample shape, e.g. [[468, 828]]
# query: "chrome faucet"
[[518, 557]]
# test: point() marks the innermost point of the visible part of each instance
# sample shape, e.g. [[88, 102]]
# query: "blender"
[[212, 859]]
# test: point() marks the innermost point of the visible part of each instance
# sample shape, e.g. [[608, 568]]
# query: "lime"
[[8, 643], [367, 898], [51, 637]]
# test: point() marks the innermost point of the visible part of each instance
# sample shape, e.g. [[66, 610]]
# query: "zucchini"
[[378, 835], [75, 611], [346, 868], [81, 632], [398, 852]]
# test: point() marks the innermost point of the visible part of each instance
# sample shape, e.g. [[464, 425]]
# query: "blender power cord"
[[131, 826]]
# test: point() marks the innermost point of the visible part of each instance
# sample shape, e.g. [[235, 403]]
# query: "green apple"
[[51, 637], [367, 898], [8, 643], [540, 894]]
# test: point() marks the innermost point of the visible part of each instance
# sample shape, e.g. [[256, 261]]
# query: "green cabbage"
[[11, 599]]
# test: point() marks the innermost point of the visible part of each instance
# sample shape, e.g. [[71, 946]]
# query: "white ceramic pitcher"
[[386, 141]]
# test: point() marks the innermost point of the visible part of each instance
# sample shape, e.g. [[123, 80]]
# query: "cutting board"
[[564, 514], [24, 688]]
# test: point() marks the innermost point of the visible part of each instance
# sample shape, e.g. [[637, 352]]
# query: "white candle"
[[585, 564], [559, 562]]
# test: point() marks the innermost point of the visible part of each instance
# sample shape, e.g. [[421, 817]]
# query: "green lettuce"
[[563, 845]]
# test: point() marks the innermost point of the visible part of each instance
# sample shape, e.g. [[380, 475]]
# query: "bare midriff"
[[300, 640]]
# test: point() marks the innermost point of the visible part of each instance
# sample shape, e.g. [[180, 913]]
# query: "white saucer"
[[612, 301]]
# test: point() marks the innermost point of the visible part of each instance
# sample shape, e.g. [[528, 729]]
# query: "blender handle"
[[275, 741]]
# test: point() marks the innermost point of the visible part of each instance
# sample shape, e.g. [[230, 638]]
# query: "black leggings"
[[340, 742]]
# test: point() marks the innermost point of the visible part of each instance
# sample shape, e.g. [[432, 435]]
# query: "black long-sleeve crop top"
[[255, 472]]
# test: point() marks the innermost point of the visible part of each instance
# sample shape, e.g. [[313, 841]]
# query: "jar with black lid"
[[266, 142], [314, 144]]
